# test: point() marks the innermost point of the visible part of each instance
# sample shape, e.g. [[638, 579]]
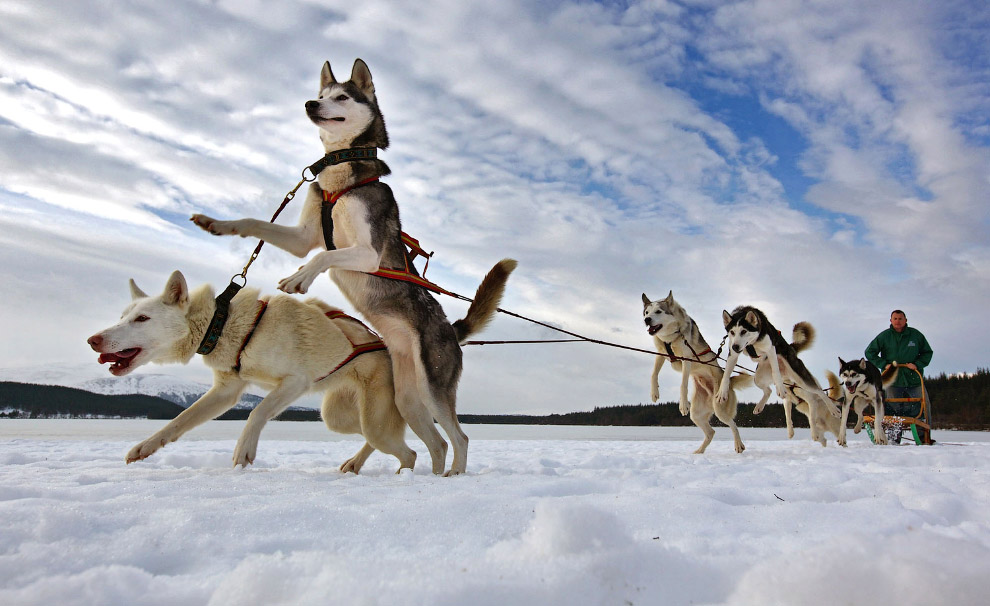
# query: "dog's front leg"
[[227, 388], [655, 378], [277, 400], [297, 240], [356, 258], [723, 388], [685, 379]]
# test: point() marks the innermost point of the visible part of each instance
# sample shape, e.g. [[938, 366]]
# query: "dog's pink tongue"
[[119, 355]]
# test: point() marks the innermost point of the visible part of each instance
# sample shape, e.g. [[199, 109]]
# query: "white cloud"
[[571, 136]]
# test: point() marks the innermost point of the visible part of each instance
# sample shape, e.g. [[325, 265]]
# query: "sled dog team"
[[405, 371], [750, 333]]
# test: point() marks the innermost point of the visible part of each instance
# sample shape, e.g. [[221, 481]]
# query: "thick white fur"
[[705, 372], [768, 373], [294, 345]]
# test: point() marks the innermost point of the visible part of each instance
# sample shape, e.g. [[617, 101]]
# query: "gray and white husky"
[[676, 335], [751, 332], [366, 237], [863, 385]]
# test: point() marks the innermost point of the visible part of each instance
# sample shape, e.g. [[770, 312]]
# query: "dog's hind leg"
[[354, 464], [761, 378], [702, 418], [727, 414], [881, 435], [220, 398], [277, 400], [382, 425], [410, 404], [685, 378]]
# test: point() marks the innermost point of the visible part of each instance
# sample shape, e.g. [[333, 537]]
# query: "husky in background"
[[750, 331], [676, 335], [362, 236], [288, 346], [863, 385]]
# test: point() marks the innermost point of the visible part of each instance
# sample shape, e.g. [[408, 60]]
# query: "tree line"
[[958, 402]]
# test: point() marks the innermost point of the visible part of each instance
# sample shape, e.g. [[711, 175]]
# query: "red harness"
[[414, 249], [356, 350]]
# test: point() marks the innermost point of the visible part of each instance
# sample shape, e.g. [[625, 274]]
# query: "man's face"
[[898, 321]]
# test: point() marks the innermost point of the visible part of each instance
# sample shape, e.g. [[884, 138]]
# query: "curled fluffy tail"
[[803, 336], [888, 376], [486, 300], [834, 387]]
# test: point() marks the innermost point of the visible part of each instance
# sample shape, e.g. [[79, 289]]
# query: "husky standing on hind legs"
[[356, 218], [749, 330], [676, 334]]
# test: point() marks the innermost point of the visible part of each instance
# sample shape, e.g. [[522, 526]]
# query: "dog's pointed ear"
[[136, 293], [752, 319], [726, 318], [670, 297], [646, 300], [862, 363], [361, 77], [326, 77], [841, 362], [176, 291]]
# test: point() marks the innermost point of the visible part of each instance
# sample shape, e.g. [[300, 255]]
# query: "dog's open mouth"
[[654, 329], [121, 360]]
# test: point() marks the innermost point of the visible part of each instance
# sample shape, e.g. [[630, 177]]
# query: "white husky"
[[749, 331], [676, 335], [287, 345]]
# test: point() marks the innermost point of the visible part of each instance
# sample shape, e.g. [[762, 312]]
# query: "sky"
[[824, 161]]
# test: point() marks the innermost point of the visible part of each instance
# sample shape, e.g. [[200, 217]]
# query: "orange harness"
[[407, 273]]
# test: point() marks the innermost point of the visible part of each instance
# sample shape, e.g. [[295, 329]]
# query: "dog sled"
[[919, 424]]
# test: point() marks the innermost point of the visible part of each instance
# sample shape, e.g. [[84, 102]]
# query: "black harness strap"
[[212, 335]]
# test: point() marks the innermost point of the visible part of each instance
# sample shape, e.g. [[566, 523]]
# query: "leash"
[[219, 320]]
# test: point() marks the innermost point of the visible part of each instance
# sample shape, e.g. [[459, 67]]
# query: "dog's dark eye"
[[142, 318], [341, 98]]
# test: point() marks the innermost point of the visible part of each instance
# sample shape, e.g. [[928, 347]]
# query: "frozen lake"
[[546, 515]]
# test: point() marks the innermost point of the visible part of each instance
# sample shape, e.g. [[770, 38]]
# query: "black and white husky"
[[751, 332], [676, 335], [862, 386], [366, 237]]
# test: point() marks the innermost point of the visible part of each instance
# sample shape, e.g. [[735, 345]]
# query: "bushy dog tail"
[[486, 300], [741, 381], [803, 336], [888, 376], [834, 387]]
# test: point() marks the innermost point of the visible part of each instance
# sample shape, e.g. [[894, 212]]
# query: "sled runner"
[[895, 425]]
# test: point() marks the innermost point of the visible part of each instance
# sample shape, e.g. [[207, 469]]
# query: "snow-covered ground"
[[544, 516]]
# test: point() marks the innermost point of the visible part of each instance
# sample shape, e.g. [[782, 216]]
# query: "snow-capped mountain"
[[179, 390]]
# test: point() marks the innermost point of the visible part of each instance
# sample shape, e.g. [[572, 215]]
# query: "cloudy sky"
[[825, 161]]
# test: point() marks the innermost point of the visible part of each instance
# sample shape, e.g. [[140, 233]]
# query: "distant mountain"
[[29, 400], [95, 379]]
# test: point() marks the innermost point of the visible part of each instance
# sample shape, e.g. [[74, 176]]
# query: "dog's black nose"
[[649, 321], [736, 348], [312, 106]]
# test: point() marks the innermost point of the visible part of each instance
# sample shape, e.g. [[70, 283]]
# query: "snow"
[[545, 515]]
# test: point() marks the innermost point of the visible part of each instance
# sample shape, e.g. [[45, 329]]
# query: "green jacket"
[[909, 345]]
